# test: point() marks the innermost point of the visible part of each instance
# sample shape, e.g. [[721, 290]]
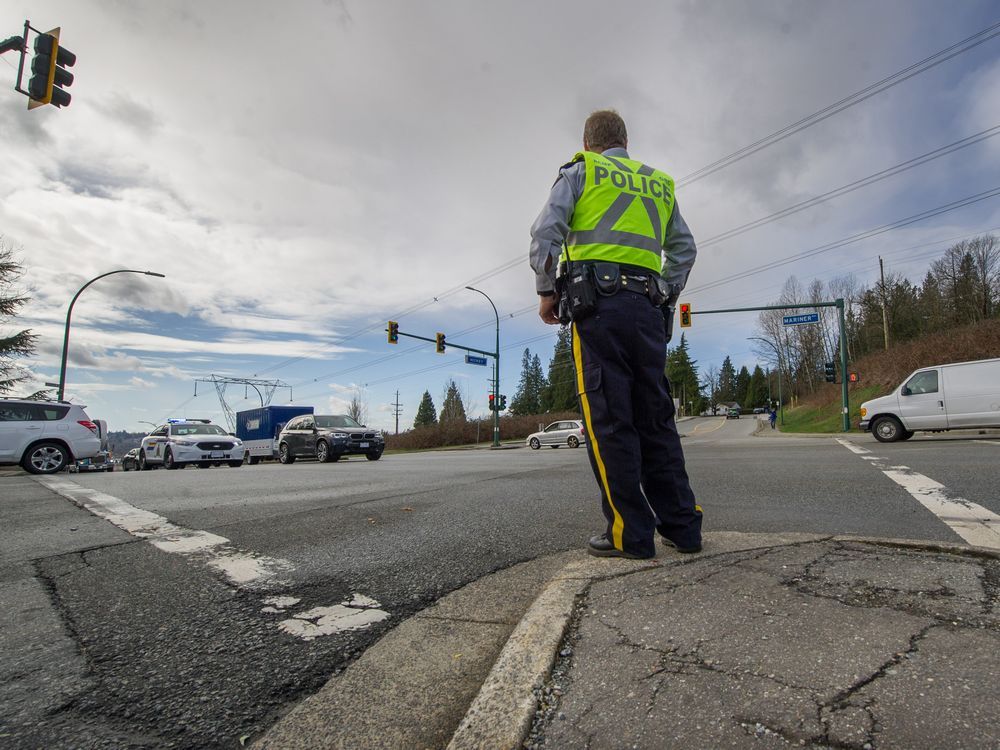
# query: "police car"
[[180, 442]]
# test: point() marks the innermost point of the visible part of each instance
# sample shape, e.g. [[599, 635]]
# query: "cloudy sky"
[[301, 172]]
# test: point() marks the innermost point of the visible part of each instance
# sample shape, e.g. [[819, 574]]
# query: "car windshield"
[[197, 429], [336, 420]]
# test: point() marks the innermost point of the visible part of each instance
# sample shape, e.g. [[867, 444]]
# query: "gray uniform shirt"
[[548, 233]]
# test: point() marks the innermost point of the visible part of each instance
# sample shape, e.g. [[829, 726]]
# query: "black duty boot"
[[601, 546]]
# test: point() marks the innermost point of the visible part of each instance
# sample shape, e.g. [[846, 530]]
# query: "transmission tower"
[[265, 389]]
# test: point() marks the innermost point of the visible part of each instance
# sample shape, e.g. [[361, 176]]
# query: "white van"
[[946, 397]]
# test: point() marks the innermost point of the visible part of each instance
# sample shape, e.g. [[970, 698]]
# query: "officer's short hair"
[[605, 129]]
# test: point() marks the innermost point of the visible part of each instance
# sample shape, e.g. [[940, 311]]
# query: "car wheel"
[[168, 460], [535, 444], [907, 434], [143, 465], [252, 460], [236, 464], [45, 458], [572, 441], [322, 452], [373, 456], [284, 455], [887, 430], [203, 466]]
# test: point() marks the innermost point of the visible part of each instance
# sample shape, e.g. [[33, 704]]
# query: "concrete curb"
[[501, 715]]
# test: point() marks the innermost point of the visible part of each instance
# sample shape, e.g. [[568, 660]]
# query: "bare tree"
[[357, 409], [710, 384], [985, 252]]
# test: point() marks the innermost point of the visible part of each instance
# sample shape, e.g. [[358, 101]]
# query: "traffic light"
[[393, 330], [855, 378], [49, 76], [830, 370], [503, 403], [685, 314], [493, 405], [440, 343]]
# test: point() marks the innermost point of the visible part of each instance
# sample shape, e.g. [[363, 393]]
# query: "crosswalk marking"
[[974, 523]]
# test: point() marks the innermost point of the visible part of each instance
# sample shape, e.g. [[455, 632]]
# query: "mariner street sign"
[[798, 320], [472, 359]]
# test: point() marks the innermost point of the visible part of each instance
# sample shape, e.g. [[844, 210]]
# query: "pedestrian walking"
[[597, 249], [772, 417]]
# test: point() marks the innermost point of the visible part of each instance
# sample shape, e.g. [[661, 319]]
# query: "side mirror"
[[905, 391]]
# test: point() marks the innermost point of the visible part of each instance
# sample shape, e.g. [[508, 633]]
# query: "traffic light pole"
[[496, 372], [839, 304], [843, 365]]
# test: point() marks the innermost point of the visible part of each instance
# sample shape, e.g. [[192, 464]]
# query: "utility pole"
[[885, 320], [397, 410]]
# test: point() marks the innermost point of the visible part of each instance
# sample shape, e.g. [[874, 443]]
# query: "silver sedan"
[[568, 432]]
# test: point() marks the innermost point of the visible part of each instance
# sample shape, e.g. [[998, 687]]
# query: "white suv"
[[180, 442], [45, 436]]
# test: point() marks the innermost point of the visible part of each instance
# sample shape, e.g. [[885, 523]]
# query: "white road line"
[[852, 447], [245, 570], [974, 523]]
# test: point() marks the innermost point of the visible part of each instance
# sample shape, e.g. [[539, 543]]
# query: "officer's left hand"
[[548, 309]]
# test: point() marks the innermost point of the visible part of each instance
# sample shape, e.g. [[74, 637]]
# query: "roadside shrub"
[[454, 433]]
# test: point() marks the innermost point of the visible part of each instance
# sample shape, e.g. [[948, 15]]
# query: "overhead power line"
[[850, 240], [848, 101], [856, 185]]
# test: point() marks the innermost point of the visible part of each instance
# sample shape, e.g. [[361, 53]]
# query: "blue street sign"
[[797, 320], [472, 359]]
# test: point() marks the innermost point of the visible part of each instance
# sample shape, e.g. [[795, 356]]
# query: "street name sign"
[[798, 320], [472, 359]]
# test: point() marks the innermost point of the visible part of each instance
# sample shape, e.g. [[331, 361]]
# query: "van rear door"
[[921, 401]]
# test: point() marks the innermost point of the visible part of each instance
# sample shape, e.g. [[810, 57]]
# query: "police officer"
[[611, 219]]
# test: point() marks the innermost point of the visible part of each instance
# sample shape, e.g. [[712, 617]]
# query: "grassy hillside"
[[881, 372]]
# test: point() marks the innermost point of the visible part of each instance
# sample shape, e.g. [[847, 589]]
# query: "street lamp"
[[69, 314], [496, 372], [777, 352]]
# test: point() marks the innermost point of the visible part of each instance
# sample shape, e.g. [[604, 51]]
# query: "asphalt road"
[[113, 641]]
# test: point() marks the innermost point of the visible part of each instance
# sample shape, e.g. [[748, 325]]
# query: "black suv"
[[327, 438]]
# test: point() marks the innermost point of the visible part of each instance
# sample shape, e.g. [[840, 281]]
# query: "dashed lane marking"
[[974, 523], [243, 569]]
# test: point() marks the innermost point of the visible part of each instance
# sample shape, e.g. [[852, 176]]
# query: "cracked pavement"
[[830, 643]]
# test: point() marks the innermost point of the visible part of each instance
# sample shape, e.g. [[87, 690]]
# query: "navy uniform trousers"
[[635, 451]]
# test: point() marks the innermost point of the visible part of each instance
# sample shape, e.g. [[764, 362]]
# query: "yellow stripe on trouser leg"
[[618, 525]]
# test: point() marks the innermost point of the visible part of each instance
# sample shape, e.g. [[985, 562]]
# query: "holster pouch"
[[658, 291], [607, 278], [580, 294]]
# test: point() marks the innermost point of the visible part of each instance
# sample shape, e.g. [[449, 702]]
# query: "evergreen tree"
[[683, 376], [756, 390], [452, 410], [727, 382], [560, 394], [20, 343], [426, 413], [538, 381], [528, 398], [742, 387]]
